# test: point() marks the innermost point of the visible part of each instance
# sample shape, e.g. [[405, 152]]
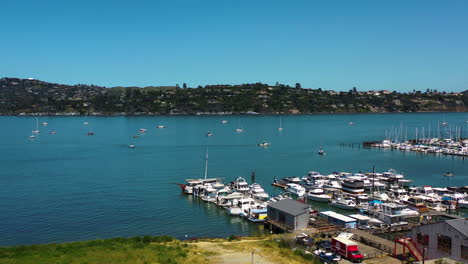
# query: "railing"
[[411, 247]]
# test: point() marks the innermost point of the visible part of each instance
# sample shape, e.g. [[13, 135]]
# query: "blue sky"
[[397, 45]]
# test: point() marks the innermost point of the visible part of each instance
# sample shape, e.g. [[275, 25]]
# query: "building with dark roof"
[[447, 239], [288, 214]]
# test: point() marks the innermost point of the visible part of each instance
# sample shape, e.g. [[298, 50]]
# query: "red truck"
[[346, 248]]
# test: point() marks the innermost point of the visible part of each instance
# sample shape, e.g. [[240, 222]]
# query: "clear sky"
[[395, 44]]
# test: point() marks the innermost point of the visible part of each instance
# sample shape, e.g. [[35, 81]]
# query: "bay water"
[[70, 186]]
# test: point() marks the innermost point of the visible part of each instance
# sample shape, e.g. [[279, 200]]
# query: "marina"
[[131, 191]]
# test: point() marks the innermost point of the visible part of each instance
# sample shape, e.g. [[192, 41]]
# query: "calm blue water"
[[70, 186]]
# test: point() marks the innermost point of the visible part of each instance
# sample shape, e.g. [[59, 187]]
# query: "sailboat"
[[238, 129], [37, 126], [280, 128]]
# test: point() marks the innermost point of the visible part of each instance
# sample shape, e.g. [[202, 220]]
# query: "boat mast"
[[206, 164]]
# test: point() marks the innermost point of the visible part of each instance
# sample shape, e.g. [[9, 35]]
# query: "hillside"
[[30, 96]]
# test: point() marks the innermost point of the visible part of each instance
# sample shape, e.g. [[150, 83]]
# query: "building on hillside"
[[288, 215], [447, 239]]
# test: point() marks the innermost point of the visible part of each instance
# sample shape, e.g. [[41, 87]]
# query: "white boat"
[[85, 123], [280, 128], [317, 194], [142, 130], [131, 146], [224, 121], [238, 129], [160, 126], [344, 203], [242, 206], [240, 185], [264, 144], [209, 134], [53, 132], [295, 189], [37, 127], [32, 136], [257, 192], [44, 123]]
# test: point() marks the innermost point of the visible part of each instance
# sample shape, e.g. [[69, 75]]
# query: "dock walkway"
[[376, 241]]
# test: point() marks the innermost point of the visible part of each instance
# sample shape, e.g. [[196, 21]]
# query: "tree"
[[298, 86], [184, 86]]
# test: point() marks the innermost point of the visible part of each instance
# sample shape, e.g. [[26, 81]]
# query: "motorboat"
[[257, 192], [239, 130], [224, 121], [344, 203], [257, 215], [317, 194], [295, 189], [321, 151], [131, 146], [242, 205], [160, 126], [240, 185], [209, 134], [142, 130], [264, 144]]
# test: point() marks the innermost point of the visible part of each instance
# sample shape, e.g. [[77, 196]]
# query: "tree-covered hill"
[[29, 96]]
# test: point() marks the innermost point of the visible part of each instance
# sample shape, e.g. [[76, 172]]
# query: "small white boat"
[[280, 128], [85, 123], [295, 189], [224, 121], [351, 123], [344, 203], [142, 130], [32, 136], [209, 134], [131, 146], [264, 144], [53, 132], [161, 126], [239, 130], [44, 123], [317, 194]]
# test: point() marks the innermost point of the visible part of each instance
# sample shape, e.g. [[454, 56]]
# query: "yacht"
[[317, 194], [240, 185], [332, 182], [257, 192], [293, 179], [353, 186], [295, 189], [160, 126], [344, 203]]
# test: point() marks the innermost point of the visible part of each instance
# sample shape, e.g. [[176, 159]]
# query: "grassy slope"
[[117, 251], [148, 250]]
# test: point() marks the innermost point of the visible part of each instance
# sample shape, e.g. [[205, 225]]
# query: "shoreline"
[[218, 114]]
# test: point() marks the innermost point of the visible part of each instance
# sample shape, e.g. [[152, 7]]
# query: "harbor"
[[377, 211]]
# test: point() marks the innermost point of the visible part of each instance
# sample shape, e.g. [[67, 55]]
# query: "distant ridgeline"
[[30, 96]]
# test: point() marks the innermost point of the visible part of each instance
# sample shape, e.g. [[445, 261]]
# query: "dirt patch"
[[240, 252]]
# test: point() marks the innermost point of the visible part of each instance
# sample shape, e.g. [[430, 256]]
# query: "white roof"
[[360, 217], [341, 217]]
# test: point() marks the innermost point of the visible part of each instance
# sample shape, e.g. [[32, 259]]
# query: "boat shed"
[[339, 219], [288, 215], [362, 220]]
